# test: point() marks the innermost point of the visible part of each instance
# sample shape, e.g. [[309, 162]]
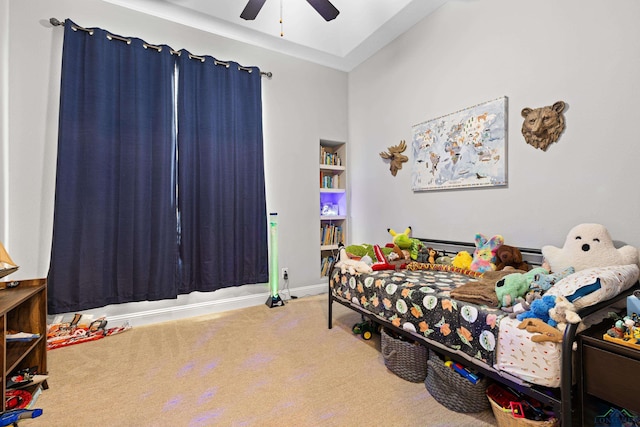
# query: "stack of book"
[[327, 158], [331, 234]]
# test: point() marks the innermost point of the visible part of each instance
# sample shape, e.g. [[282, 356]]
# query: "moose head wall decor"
[[396, 157]]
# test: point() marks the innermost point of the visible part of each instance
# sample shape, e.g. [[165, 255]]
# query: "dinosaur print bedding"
[[419, 301]]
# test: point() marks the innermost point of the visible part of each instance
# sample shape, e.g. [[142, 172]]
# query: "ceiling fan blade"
[[325, 9], [251, 9]]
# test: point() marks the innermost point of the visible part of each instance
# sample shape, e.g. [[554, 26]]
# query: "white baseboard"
[[136, 315]]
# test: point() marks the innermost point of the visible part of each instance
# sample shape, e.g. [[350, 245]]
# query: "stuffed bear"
[[546, 332], [484, 255], [588, 246], [510, 256], [516, 285], [540, 310], [423, 254]]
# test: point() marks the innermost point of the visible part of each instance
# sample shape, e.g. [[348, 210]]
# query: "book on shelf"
[[325, 265], [21, 336], [328, 180], [331, 159], [331, 234]]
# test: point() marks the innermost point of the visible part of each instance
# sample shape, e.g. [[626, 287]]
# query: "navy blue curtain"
[[114, 227], [221, 197], [144, 210]]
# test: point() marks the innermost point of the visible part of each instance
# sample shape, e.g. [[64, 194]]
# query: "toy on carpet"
[[544, 331], [540, 310], [405, 242], [484, 255], [76, 331], [462, 260], [510, 256], [515, 285], [588, 246], [351, 265]]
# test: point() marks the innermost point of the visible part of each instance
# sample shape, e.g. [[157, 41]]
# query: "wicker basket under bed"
[[407, 360], [454, 391], [505, 419]]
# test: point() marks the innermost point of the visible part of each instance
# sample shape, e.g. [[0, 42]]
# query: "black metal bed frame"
[[561, 399]]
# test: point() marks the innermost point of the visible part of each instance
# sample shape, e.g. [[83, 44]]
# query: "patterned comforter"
[[419, 301]]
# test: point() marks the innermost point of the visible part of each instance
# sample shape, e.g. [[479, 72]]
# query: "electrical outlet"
[[285, 273]]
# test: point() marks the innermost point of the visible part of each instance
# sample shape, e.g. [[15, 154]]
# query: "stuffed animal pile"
[[579, 271], [351, 265]]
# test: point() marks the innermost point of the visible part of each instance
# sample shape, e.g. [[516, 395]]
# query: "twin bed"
[[417, 304]]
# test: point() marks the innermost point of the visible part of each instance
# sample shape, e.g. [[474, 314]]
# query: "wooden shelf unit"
[[23, 309], [333, 201]]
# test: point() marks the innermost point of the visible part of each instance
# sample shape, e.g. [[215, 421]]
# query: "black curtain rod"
[[56, 23]]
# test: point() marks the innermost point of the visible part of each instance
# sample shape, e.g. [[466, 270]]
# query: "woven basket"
[[405, 359], [505, 419], [452, 390]]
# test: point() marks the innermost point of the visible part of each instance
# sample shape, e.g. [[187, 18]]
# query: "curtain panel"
[[123, 181], [221, 185]]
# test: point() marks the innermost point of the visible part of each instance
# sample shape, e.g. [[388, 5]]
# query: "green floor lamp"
[[274, 299]]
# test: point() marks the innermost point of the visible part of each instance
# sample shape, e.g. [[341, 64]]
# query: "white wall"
[[584, 52], [302, 103]]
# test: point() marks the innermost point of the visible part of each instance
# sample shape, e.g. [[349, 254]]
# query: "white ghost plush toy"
[[587, 246]]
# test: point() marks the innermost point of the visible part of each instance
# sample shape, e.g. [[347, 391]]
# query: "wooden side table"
[[606, 371]]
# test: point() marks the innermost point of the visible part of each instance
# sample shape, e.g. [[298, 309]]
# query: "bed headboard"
[[451, 248]]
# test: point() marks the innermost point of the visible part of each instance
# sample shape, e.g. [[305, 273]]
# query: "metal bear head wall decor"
[[542, 126]]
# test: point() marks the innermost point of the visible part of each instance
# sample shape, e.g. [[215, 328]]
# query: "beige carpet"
[[257, 366]]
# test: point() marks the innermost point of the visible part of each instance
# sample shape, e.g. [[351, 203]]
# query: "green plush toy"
[[405, 242], [516, 285], [365, 249]]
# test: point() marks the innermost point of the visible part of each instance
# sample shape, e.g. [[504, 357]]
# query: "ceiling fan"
[[323, 7]]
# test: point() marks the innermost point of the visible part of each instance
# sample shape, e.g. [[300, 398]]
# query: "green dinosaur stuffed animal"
[[516, 285], [365, 249]]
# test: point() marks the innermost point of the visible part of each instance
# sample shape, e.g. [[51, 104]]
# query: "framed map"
[[465, 149]]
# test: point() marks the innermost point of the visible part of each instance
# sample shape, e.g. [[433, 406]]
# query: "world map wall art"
[[465, 149]]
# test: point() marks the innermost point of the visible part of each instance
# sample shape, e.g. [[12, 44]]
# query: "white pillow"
[[592, 285]]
